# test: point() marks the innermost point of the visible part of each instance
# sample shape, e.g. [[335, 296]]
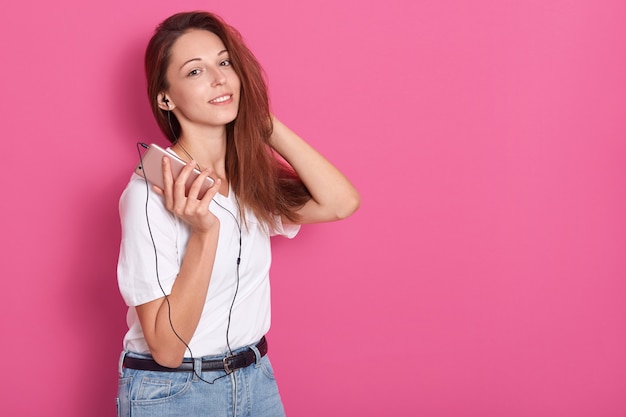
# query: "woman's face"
[[204, 89]]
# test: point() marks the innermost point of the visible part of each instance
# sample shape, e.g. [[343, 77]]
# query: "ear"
[[164, 102]]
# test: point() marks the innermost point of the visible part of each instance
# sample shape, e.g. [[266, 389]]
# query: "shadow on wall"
[[95, 307]]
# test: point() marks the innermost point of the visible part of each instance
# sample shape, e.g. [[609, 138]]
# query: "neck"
[[208, 152]]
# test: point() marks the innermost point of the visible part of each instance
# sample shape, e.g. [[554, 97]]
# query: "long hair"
[[262, 182]]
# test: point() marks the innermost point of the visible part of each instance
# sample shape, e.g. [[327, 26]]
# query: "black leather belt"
[[228, 364]]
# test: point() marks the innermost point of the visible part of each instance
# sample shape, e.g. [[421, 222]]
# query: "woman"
[[193, 268]]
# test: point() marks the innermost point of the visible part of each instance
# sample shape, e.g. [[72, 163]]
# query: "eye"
[[193, 72], [225, 63]]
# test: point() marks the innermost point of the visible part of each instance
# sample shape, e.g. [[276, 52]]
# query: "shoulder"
[[138, 199]]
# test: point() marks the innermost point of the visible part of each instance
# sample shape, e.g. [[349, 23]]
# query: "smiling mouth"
[[221, 99]]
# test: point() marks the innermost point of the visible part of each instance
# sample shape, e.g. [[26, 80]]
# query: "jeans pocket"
[[266, 367], [157, 387], [123, 397]]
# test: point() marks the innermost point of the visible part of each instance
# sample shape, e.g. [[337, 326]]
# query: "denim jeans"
[[246, 392]]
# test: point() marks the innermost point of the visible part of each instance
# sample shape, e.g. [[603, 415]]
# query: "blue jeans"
[[247, 392]]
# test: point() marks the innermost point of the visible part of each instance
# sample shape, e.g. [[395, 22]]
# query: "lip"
[[222, 99]]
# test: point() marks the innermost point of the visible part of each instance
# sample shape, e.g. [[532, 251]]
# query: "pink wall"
[[484, 273]]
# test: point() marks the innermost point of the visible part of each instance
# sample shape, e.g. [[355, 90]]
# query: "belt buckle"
[[226, 366]]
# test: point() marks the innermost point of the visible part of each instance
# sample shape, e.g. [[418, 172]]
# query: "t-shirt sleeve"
[[148, 259], [288, 230]]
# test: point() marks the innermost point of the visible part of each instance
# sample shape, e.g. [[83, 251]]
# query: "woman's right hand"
[[186, 205], [183, 307], [169, 323]]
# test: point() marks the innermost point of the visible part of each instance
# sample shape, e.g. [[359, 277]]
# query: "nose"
[[219, 78]]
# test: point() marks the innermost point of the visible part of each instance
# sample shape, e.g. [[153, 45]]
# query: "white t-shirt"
[[137, 276]]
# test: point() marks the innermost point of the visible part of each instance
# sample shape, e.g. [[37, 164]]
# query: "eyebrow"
[[222, 52]]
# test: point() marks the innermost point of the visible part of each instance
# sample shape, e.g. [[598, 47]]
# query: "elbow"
[[338, 207], [349, 206], [167, 359], [171, 363]]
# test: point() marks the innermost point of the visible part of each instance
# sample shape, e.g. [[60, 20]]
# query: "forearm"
[[333, 196], [179, 314]]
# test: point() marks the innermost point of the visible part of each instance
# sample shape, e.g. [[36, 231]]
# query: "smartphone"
[[151, 168]]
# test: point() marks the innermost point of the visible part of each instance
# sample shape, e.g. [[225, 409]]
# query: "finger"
[[208, 196], [158, 190], [210, 193], [168, 181], [183, 177], [180, 188], [198, 185]]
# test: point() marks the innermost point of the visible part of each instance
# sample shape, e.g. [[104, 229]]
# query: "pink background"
[[484, 273]]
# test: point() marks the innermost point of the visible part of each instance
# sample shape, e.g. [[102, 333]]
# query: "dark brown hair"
[[262, 182]]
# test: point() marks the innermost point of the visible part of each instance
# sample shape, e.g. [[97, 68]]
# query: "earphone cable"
[[156, 262], [230, 310], [232, 304]]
